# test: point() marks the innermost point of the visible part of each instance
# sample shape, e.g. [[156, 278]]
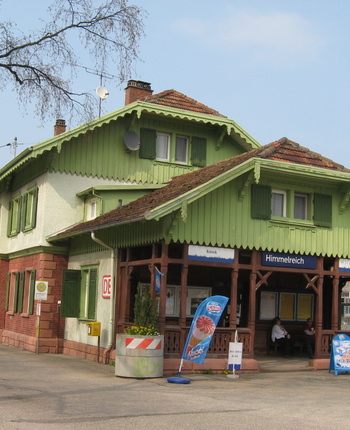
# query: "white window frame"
[[158, 155], [92, 208], [284, 203]]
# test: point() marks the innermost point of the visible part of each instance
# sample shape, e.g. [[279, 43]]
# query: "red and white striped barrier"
[[137, 343]]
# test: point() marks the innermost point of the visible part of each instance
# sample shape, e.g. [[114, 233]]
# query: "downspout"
[[112, 299]]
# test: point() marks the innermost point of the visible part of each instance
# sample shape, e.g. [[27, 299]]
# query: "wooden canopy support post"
[[318, 319], [233, 301], [252, 311], [335, 296], [252, 303], [163, 288], [335, 303]]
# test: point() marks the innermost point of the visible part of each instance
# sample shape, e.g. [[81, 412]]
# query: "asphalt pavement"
[[49, 392]]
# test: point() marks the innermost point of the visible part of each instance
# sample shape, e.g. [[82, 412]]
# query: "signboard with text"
[[41, 288], [235, 355], [294, 261], [211, 253], [106, 287]]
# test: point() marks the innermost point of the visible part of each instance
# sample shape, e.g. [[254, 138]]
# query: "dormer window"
[[162, 151], [278, 203], [173, 148], [181, 149], [300, 206]]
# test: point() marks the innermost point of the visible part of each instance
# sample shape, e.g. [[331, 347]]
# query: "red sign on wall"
[[106, 287]]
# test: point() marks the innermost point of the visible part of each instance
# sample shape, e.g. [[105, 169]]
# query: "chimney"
[[60, 127], [137, 90]]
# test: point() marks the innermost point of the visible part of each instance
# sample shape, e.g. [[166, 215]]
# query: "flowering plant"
[[144, 331], [145, 314]]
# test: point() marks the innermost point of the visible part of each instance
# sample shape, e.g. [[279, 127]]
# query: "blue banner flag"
[[157, 280], [202, 328]]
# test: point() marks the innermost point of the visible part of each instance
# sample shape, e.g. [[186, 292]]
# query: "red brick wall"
[[4, 264], [20, 329]]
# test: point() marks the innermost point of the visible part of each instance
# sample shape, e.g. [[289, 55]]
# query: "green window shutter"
[[8, 283], [15, 296], [261, 201], [198, 151], [92, 294], [148, 140], [9, 221], [70, 305], [323, 210], [34, 207], [20, 292], [19, 215], [23, 217], [31, 292]]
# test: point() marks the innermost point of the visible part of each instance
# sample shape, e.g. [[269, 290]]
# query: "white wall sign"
[[106, 287], [41, 288], [211, 253]]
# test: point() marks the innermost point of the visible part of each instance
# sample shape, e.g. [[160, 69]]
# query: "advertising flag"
[[203, 327], [157, 280]]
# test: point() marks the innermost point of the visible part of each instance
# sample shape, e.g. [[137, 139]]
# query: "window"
[[79, 293], [14, 220], [288, 306], [345, 307], [23, 212], [92, 209], [181, 149], [20, 292], [29, 205], [300, 206], [267, 203], [172, 148], [278, 203], [162, 151]]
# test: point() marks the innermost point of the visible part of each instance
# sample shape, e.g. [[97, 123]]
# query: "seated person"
[[281, 336], [309, 337]]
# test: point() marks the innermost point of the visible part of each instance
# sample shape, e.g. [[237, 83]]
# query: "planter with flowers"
[[140, 350]]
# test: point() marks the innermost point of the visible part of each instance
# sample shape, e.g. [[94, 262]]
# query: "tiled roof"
[[178, 100], [282, 150]]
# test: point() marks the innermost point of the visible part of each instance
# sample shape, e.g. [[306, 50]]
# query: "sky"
[[278, 68]]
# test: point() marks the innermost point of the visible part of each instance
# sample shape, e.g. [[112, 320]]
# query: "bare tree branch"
[[42, 65]]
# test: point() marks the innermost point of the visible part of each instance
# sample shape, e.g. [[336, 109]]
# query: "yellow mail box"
[[94, 328]]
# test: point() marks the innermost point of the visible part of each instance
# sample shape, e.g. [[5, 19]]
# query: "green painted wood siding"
[[220, 219], [102, 153]]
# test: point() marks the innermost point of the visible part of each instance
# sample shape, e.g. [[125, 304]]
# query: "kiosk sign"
[[41, 288]]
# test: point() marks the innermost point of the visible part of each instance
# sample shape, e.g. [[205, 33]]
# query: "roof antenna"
[[14, 145]]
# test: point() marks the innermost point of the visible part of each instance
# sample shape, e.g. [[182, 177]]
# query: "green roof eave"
[[247, 141], [128, 187], [89, 230], [200, 191], [309, 171], [256, 164], [232, 127]]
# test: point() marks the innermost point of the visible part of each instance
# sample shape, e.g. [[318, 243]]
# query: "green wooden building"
[[80, 175], [276, 217]]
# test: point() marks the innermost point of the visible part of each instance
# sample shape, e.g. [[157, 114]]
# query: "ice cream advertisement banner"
[[203, 327], [340, 354]]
